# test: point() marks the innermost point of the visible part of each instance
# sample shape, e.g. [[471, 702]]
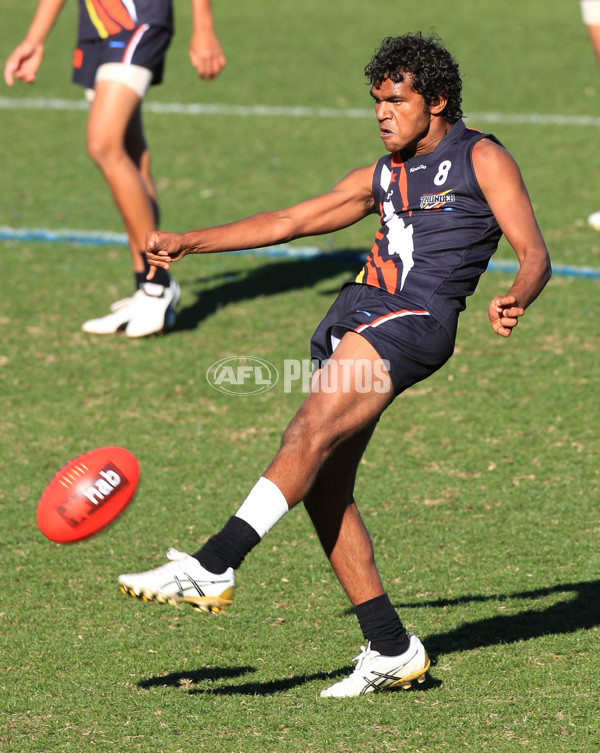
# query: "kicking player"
[[120, 53], [444, 195]]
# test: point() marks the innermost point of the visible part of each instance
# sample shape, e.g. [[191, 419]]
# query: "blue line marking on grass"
[[97, 238], [76, 237]]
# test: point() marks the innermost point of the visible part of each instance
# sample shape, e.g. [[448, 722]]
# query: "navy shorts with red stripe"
[[413, 343], [145, 46]]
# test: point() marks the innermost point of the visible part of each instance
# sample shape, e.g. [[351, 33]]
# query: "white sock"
[[263, 507]]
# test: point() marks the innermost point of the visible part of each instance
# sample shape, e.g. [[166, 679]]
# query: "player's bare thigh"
[[349, 392], [117, 95]]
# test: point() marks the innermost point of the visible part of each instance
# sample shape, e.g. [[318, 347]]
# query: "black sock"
[[228, 547], [161, 276], [381, 626]]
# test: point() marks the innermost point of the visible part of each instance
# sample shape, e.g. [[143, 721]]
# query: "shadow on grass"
[[272, 278], [181, 679], [580, 610], [190, 680]]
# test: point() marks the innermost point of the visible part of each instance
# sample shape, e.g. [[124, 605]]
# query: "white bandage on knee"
[[133, 76], [590, 12], [263, 507]]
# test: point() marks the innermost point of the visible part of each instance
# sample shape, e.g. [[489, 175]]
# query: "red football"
[[87, 494]]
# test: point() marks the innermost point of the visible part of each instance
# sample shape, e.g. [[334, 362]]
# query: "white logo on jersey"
[[400, 236]]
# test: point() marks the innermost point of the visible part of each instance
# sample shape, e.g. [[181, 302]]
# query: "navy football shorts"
[[413, 343], [145, 46]]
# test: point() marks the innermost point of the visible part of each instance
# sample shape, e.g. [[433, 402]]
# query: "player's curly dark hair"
[[433, 69]]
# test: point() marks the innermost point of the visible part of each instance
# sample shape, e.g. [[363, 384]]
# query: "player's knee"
[[96, 149], [309, 434], [101, 148]]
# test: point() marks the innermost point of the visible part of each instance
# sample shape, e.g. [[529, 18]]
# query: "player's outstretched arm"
[[349, 201], [502, 185], [206, 53], [22, 64]]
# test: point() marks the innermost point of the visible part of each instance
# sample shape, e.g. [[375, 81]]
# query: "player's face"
[[404, 118]]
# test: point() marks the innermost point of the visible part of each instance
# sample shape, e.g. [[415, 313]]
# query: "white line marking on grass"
[[270, 111], [98, 238]]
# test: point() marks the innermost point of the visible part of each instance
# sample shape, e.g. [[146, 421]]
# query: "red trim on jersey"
[[398, 162], [390, 316], [380, 271], [403, 187]]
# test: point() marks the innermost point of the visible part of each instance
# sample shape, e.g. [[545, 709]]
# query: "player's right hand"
[[23, 63]]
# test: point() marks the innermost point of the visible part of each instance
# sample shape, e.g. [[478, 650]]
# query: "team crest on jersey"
[[437, 200]]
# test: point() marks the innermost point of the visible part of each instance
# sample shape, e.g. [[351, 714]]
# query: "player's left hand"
[[504, 313], [206, 54]]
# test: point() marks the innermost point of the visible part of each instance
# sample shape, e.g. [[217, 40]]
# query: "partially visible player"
[[444, 194], [590, 11], [120, 53]]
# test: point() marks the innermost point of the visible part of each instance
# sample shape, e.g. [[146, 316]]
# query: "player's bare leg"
[[317, 462], [116, 143], [339, 525], [329, 418], [113, 114], [137, 148], [392, 657]]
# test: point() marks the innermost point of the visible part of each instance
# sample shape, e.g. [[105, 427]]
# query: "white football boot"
[[152, 309], [594, 220], [116, 321], [182, 580], [374, 672], [121, 303]]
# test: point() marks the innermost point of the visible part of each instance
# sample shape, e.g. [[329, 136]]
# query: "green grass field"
[[481, 486]]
